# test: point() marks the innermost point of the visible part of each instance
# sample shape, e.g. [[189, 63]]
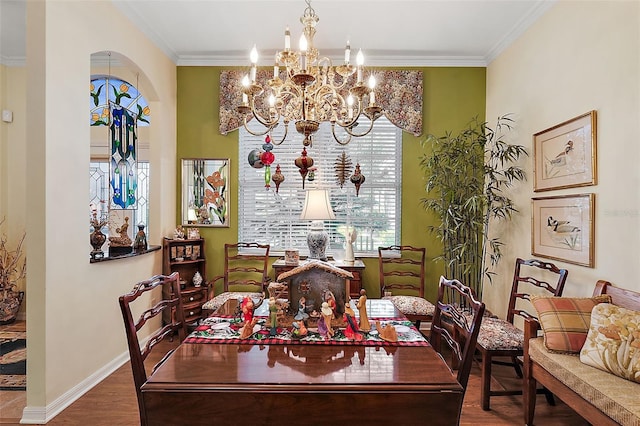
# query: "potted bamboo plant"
[[467, 177], [12, 270]]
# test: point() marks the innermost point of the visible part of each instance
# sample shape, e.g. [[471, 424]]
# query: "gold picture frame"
[[562, 228], [205, 192], [564, 155]]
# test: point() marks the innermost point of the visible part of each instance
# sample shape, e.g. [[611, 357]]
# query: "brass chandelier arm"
[[270, 124], [267, 129], [286, 130], [336, 138], [349, 130]]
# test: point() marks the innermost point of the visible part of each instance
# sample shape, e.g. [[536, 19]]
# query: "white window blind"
[[269, 217]]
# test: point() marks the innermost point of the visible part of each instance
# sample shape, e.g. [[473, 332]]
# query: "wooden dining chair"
[[175, 326], [501, 337], [456, 309], [246, 273], [402, 274]]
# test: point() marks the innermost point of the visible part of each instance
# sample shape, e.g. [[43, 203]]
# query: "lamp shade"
[[317, 205], [191, 216]]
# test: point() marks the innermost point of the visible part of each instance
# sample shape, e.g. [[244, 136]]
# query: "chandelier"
[[310, 90]]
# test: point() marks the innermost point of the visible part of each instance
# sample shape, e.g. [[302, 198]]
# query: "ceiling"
[[389, 32]]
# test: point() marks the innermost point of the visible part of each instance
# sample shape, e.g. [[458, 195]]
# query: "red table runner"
[[226, 329]]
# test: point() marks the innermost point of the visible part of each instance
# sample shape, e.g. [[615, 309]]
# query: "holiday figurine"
[[324, 323], [352, 235], [362, 309], [267, 158], [247, 307], [273, 317], [387, 332], [351, 332], [331, 301], [247, 330], [298, 329], [302, 314]]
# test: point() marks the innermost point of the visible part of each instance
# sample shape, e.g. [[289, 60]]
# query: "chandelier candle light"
[[310, 91]]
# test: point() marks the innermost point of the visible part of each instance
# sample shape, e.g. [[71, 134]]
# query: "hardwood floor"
[[12, 402], [113, 402]]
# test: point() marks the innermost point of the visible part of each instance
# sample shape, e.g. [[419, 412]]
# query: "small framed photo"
[[195, 254], [565, 155], [173, 253], [194, 233], [180, 252], [562, 228], [187, 251]]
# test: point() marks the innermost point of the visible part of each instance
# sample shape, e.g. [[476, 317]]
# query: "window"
[[106, 91], [99, 191], [110, 89], [274, 218]]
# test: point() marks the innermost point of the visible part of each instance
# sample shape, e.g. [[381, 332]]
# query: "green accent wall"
[[452, 97]]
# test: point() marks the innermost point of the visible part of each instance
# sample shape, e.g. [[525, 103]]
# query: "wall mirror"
[[205, 192]]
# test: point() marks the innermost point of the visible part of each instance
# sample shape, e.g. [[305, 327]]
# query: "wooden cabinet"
[[356, 268], [187, 257]]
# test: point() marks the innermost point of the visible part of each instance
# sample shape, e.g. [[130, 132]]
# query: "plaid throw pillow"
[[565, 320]]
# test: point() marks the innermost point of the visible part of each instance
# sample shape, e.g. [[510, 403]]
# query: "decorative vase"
[[9, 307], [97, 239], [140, 243], [197, 279]]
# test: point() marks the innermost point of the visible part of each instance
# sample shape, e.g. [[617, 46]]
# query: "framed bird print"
[[565, 155], [562, 228]]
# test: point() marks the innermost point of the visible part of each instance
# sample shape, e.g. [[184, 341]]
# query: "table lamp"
[[317, 208], [191, 215]]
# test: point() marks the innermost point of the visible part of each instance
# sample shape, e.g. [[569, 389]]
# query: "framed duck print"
[[562, 228], [565, 154]]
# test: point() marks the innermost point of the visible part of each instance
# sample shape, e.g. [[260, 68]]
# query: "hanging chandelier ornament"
[[357, 178], [342, 168], [267, 158], [310, 90], [304, 163], [277, 178]]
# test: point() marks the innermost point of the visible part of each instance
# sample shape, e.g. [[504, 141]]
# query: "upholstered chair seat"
[[498, 334], [219, 300], [412, 305]]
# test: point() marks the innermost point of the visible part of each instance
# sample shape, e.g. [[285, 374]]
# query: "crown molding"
[[373, 60], [519, 28], [140, 22]]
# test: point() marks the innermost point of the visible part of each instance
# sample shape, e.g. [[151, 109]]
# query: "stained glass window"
[[119, 92]]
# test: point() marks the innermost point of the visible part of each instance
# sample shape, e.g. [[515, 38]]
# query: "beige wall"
[[579, 56], [74, 324], [12, 146]]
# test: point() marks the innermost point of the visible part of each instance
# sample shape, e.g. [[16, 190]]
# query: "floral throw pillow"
[[613, 342], [565, 320]]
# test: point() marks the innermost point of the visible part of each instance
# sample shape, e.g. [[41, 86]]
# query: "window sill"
[[126, 256]]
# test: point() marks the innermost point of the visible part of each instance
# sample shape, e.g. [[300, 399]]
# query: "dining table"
[[268, 382]]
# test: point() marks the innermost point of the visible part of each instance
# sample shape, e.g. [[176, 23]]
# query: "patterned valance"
[[399, 93]]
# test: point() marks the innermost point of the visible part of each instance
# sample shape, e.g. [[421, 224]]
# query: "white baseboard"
[[41, 415]]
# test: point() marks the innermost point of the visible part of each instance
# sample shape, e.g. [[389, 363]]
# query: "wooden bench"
[[569, 375]]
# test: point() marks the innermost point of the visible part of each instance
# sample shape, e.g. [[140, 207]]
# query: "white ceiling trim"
[[372, 61], [143, 26], [519, 28]]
